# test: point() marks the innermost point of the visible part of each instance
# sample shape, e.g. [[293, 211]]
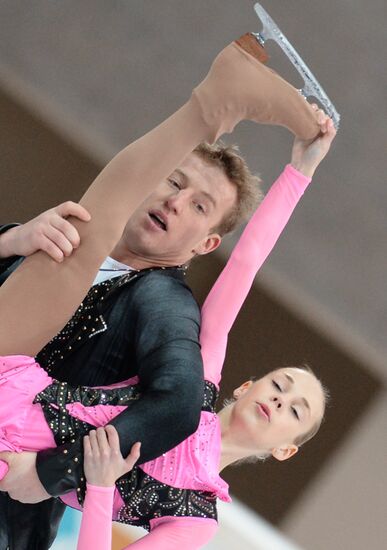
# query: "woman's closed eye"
[[276, 385], [295, 413]]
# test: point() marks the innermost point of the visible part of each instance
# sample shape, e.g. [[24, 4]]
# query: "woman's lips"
[[264, 411]]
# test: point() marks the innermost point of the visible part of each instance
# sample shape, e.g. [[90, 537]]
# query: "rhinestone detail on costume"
[[146, 498], [88, 320]]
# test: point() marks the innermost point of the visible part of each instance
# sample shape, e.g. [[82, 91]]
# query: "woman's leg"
[[41, 296]]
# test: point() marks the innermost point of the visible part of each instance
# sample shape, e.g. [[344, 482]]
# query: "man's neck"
[[136, 261]]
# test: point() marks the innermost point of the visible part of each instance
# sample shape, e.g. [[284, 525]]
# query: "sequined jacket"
[[145, 325]]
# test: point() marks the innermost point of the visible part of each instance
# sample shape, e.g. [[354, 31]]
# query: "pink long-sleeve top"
[[194, 464]]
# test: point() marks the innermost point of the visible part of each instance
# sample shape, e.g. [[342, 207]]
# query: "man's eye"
[[174, 184], [199, 208], [277, 386], [294, 411]]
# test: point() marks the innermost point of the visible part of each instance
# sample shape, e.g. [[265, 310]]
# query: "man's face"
[[174, 223]]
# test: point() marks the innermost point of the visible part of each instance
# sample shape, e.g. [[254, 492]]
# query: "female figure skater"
[[35, 317]]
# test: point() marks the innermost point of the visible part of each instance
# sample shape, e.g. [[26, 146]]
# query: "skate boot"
[[240, 87]]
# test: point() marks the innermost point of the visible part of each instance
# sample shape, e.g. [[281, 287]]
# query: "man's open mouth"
[[158, 220]]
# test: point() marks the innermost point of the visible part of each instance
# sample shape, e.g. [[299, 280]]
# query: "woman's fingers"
[[113, 438], [133, 456], [104, 462], [94, 443], [103, 443], [86, 446]]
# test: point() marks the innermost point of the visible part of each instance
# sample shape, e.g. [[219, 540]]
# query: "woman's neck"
[[233, 448]]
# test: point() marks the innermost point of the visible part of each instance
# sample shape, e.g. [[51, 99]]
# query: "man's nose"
[[174, 203]]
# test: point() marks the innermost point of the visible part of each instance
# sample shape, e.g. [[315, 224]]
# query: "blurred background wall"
[[79, 80]]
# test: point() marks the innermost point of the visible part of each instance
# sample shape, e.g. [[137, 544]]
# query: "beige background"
[[96, 74]]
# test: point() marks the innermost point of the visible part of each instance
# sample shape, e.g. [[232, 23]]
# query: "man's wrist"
[[60, 469], [6, 240]]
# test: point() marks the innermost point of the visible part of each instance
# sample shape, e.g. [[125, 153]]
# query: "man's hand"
[[22, 482], [50, 232], [307, 154]]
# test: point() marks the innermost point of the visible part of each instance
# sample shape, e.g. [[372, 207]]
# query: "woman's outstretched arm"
[[229, 292], [169, 533]]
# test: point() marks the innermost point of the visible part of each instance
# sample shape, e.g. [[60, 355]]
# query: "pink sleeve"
[[96, 526], [166, 533], [226, 297], [177, 533]]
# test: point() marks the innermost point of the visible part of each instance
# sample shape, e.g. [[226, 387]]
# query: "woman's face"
[[272, 412]]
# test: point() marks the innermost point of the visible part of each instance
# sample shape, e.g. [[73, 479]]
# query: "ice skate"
[[312, 88]]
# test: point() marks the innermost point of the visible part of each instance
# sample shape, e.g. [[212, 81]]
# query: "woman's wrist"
[[304, 169], [100, 487]]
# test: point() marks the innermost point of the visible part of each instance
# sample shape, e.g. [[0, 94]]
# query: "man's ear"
[[242, 389], [284, 452], [208, 244]]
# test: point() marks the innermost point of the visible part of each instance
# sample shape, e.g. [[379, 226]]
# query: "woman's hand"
[[103, 461], [307, 154]]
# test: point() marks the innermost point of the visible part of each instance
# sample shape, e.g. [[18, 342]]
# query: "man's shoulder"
[[165, 285], [166, 276]]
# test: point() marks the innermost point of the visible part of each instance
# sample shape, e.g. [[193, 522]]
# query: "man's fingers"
[[51, 249], [6, 456], [70, 208], [66, 229], [60, 240]]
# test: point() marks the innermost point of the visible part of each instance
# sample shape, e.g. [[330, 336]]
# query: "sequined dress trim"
[[140, 491], [147, 498]]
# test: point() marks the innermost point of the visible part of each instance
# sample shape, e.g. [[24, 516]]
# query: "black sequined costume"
[[145, 497]]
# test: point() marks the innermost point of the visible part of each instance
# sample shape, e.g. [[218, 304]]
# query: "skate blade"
[[271, 31]]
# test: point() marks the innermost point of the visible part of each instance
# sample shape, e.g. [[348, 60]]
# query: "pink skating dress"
[[187, 477]]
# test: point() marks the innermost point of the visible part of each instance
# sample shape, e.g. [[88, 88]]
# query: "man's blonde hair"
[[249, 194]]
